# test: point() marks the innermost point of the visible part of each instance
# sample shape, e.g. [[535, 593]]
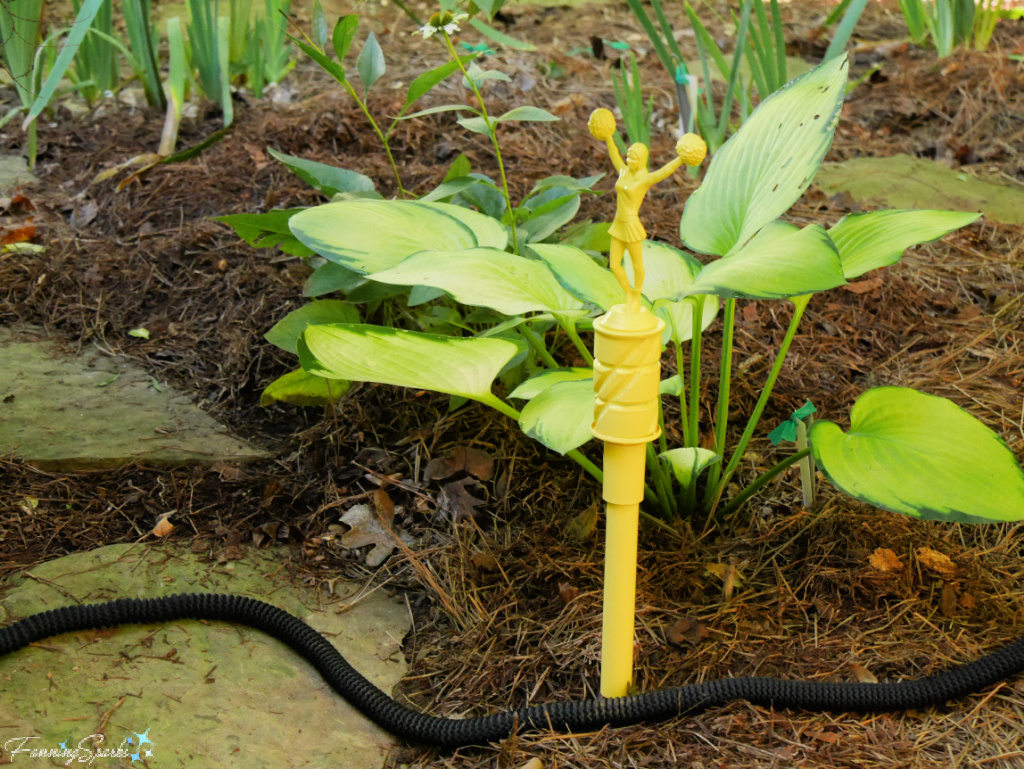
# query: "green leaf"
[[343, 35], [668, 272], [688, 464], [547, 212], [781, 262], [255, 229], [672, 385], [538, 383], [923, 456], [285, 333], [301, 389], [678, 317], [876, 239], [329, 180], [500, 37], [373, 235], [768, 163], [331, 277], [83, 21], [370, 63], [568, 182], [477, 125], [333, 68], [451, 365], [422, 84], [319, 25], [561, 415], [485, 277], [449, 189], [489, 232], [527, 114], [459, 168], [440, 108], [580, 275]]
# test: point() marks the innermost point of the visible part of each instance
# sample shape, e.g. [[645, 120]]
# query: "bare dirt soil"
[[507, 606]]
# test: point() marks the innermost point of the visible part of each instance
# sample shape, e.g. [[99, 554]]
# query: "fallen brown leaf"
[[862, 674], [21, 234], [459, 503], [367, 528], [948, 601], [484, 561], [477, 463], [163, 528], [864, 286], [567, 593], [885, 559], [936, 561], [583, 525], [687, 629]]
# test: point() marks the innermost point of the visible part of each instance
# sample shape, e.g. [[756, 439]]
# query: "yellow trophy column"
[[627, 374]]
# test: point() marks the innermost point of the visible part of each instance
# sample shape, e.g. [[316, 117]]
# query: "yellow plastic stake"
[[627, 375]]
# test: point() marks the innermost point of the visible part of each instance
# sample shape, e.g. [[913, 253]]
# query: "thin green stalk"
[[534, 340], [376, 129], [570, 330], [494, 137], [682, 395], [695, 339], [662, 486], [662, 440], [724, 384], [799, 305], [756, 486]]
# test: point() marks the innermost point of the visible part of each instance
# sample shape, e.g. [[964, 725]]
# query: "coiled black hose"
[[572, 716]]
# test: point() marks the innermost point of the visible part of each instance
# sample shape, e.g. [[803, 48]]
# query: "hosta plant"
[[904, 451]]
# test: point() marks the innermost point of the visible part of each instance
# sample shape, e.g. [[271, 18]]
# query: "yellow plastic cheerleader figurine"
[[627, 232]]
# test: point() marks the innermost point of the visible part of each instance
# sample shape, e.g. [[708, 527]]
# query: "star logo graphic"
[[135, 757], [143, 738], [63, 746], [129, 740]]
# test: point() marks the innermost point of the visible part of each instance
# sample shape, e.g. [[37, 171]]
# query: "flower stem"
[[376, 130], [756, 486], [799, 305], [494, 137], [570, 329], [534, 340], [695, 339], [724, 383]]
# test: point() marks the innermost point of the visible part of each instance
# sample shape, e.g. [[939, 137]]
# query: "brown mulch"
[[506, 606]]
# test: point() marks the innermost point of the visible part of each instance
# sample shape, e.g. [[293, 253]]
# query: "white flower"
[[446, 22]]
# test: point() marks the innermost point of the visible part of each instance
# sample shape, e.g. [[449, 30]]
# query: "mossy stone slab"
[[204, 694], [902, 181], [14, 173], [92, 411]]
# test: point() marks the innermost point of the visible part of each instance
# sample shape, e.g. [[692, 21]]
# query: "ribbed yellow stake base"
[[627, 375]]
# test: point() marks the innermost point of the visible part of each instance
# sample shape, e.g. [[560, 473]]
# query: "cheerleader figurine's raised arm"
[[627, 233]]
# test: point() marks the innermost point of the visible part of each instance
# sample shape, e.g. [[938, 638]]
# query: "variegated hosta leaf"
[[781, 261], [373, 235], [580, 275], [362, 353], [876, 239], [300, 388], [920, 455], [536, 384], [561, 415], [767, 164], [687, 464], [485, 277]]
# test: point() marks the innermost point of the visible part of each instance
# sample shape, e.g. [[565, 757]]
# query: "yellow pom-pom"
[[601, 124], [692, 149]]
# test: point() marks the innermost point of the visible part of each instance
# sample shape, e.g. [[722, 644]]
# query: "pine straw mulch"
[[507, 606]]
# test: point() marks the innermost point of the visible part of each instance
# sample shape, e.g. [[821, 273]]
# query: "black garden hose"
[[579, 715]]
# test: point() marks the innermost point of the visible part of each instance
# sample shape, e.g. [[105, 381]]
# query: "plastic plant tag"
[[787, 431], [922, 456]]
